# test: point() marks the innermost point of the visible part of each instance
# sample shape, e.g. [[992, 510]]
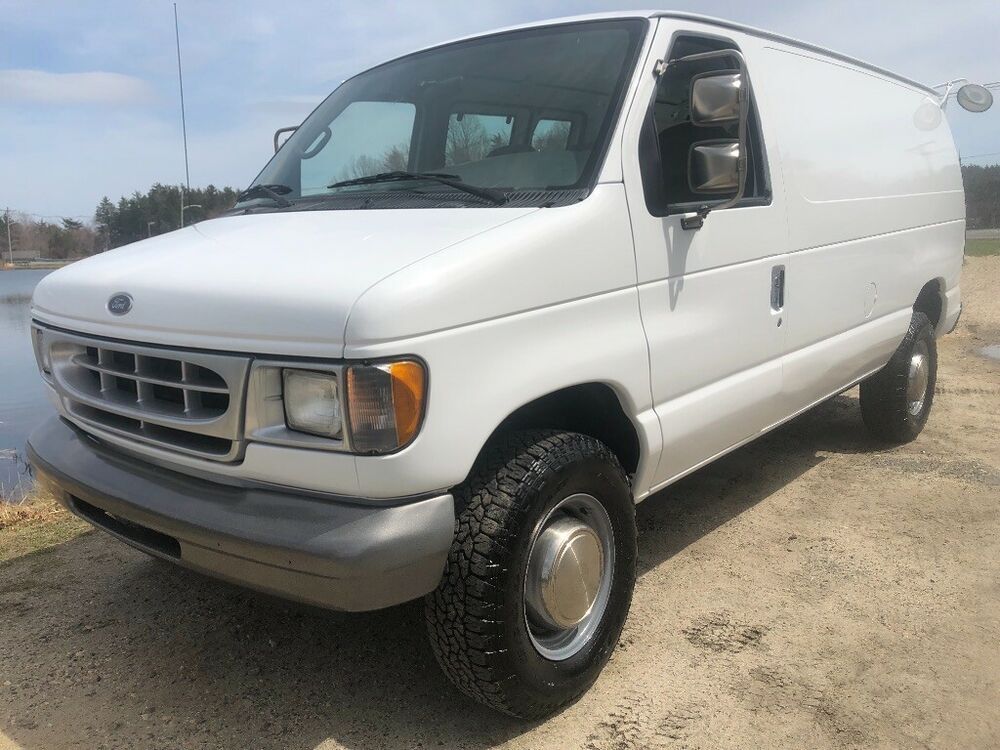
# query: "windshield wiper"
[[451, 180], [273, 192]]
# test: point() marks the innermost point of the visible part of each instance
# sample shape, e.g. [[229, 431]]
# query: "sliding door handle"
[[777, 288]]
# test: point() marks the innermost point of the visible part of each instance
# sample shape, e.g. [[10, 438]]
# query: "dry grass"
[[38, 506], [34, 523], [980, 247]]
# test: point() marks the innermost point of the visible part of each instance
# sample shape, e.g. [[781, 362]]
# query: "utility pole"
[[180, 81], [10, 246], [185, 208]]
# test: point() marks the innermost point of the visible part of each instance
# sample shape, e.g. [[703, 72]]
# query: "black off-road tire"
[[884, 405], [475, 618]]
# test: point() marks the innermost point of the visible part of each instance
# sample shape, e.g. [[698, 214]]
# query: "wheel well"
[[591, 409], [929, 302]]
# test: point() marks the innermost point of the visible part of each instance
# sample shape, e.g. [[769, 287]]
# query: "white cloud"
[[96, 87]]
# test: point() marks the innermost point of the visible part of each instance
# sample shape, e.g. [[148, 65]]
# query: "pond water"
[[22, 399]]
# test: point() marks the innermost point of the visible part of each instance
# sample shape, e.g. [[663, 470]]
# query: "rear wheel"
[[896, 400], [540, 575]]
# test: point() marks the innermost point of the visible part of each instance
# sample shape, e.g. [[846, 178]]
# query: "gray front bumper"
[[333, 553]]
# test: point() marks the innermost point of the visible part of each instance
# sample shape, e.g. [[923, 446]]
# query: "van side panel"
[[875, 210]]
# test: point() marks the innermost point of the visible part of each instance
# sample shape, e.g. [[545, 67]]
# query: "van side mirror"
[[717, 99], [714, 167], [974, 98]]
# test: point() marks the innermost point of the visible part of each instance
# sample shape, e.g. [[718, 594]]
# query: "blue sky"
[[88, 90]]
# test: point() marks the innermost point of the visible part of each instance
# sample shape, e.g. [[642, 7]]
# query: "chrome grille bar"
[[186, 382], [182, 400]]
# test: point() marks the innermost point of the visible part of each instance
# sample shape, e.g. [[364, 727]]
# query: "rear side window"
[[669, 135], [551, 135], [473, 137]]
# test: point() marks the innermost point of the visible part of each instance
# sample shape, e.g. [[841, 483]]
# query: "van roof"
[[710, 20]]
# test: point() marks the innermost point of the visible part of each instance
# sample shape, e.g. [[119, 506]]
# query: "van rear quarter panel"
[[863, 155], [875, 210]]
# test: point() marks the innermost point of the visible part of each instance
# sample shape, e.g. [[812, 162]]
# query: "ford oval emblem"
[[120, 303]]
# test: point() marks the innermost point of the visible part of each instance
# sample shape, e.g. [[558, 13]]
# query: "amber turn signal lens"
[[407, 398], [385, 404]]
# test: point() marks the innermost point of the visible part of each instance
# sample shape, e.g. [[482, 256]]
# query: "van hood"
[[275, 283]]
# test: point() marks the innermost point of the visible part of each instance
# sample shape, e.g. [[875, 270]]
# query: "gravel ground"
[[814, 589]]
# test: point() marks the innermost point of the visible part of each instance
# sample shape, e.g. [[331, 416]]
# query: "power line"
[[15, 211], [990, 85], [979, 156]]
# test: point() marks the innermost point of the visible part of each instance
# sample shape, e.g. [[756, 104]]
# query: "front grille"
[[187, 401]]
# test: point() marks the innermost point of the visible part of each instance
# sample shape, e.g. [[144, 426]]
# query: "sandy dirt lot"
[[815, 589]]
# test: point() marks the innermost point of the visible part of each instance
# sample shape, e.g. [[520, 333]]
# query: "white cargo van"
[[487, 297]]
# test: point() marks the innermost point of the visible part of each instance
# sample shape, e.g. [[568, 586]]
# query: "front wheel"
[[540, 576]]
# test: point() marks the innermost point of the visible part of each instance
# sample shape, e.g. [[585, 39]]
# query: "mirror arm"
[[279, 132], [696, 220], [947, 90]]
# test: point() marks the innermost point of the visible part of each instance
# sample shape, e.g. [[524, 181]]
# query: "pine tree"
[[106, 219]]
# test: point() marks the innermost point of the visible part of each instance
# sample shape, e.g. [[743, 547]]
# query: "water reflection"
[[22, 399]]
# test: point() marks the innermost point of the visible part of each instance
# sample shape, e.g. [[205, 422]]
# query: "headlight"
[[312, 402], [385, 404]]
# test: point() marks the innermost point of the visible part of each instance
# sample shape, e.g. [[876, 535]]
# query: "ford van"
[[486, 298]]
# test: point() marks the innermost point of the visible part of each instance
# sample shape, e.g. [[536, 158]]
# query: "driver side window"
[[365, 139]]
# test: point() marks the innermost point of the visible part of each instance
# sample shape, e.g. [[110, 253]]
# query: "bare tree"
[[393, 159], [467, 141], [553, 138]]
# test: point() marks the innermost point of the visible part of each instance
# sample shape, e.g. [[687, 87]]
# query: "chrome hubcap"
[[565, 573], [916, 386], [568, 577]]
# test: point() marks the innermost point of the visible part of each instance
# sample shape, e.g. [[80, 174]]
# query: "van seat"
[[524, 171]]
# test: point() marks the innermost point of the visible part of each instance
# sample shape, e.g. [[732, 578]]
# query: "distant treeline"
[[982, 196], [114, 224], [159, 210]]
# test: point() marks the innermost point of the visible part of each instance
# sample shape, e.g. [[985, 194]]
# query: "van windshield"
[[525, 115]]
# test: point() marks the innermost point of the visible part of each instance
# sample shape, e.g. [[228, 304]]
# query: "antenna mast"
[[180, 81]]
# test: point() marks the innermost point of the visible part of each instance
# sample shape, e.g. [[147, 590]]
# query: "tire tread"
[[883, 395], [463, 614]]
